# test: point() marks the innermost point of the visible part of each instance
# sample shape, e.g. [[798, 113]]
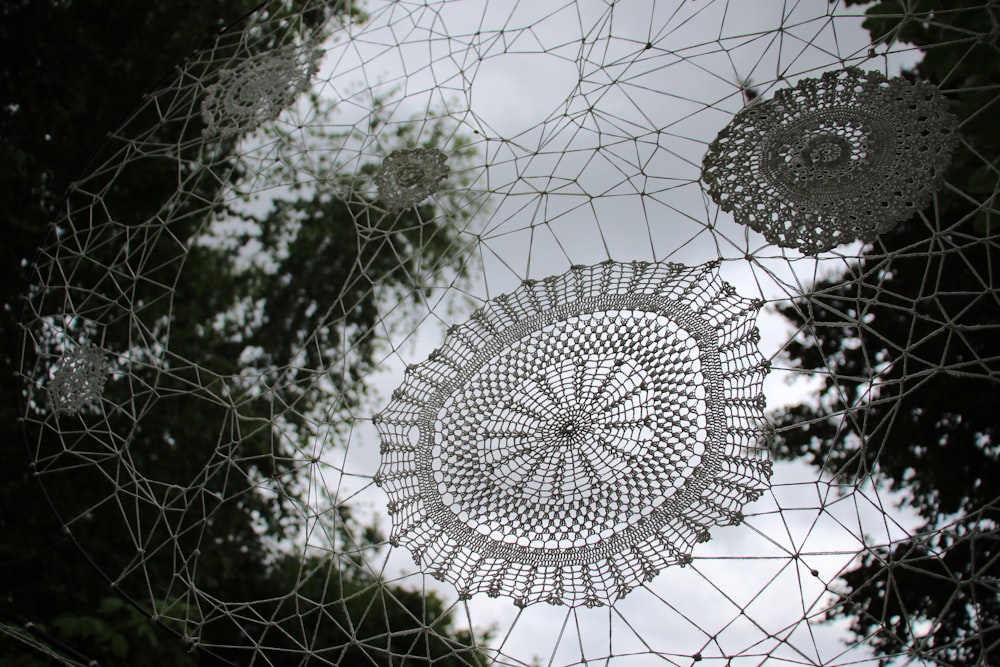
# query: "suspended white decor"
[[842, 157], [580, 434], [78, 380], [257, 89], [409, 176]]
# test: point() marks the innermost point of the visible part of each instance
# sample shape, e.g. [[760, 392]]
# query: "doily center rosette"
[[836, 159], [575, 437]]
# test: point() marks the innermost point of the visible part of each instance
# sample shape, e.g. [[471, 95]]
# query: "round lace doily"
[[843, 157], [257, 89], [78, 380], [408, 177], [580, 434]]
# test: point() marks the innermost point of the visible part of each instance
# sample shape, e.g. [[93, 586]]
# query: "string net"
[[420, 345]]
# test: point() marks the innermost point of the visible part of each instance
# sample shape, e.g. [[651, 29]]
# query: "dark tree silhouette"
[[907, 343], [69, 73]]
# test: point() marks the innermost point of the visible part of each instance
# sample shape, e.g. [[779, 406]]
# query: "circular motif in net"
[[257, 89], [580, 434], [78, 380], [843, 157], [408, 177]]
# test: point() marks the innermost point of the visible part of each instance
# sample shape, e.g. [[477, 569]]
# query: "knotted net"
[[252, 312]]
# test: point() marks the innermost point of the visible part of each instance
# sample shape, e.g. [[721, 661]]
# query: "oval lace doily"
[[257, 89], [580, 434], [836, 159]]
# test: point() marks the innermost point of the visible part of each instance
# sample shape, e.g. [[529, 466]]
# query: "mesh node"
[[408, 177], [835, 159], [257, 90], [78, 380], [579, 435]]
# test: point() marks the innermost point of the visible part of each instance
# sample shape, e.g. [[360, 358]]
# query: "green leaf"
[[119, 646], [110, 605], [986, 222], [982, 180]]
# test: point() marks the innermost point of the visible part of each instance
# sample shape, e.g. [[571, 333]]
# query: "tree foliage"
[[71, 71], [906, 345]]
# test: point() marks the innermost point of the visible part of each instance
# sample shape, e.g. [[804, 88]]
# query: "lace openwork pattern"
[[257, 90], [577, 436], [839, 158], [78, 380], [409, 176]]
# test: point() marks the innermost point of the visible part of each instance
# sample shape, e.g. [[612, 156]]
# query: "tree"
[[212, 441], [906, 344]]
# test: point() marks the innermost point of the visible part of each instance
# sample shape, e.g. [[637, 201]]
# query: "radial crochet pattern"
[[255, 90], [409, 176], [843, 157], [579, 435]]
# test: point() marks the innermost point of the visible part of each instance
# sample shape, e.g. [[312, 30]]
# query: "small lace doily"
[[257, 89], [836, 159], [408, 177], [575, 437], [78, 380]]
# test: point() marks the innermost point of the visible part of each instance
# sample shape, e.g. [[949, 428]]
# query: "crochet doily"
[[408, 177], [78, 380], [840, 158], [257, 89], [580, 434]]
